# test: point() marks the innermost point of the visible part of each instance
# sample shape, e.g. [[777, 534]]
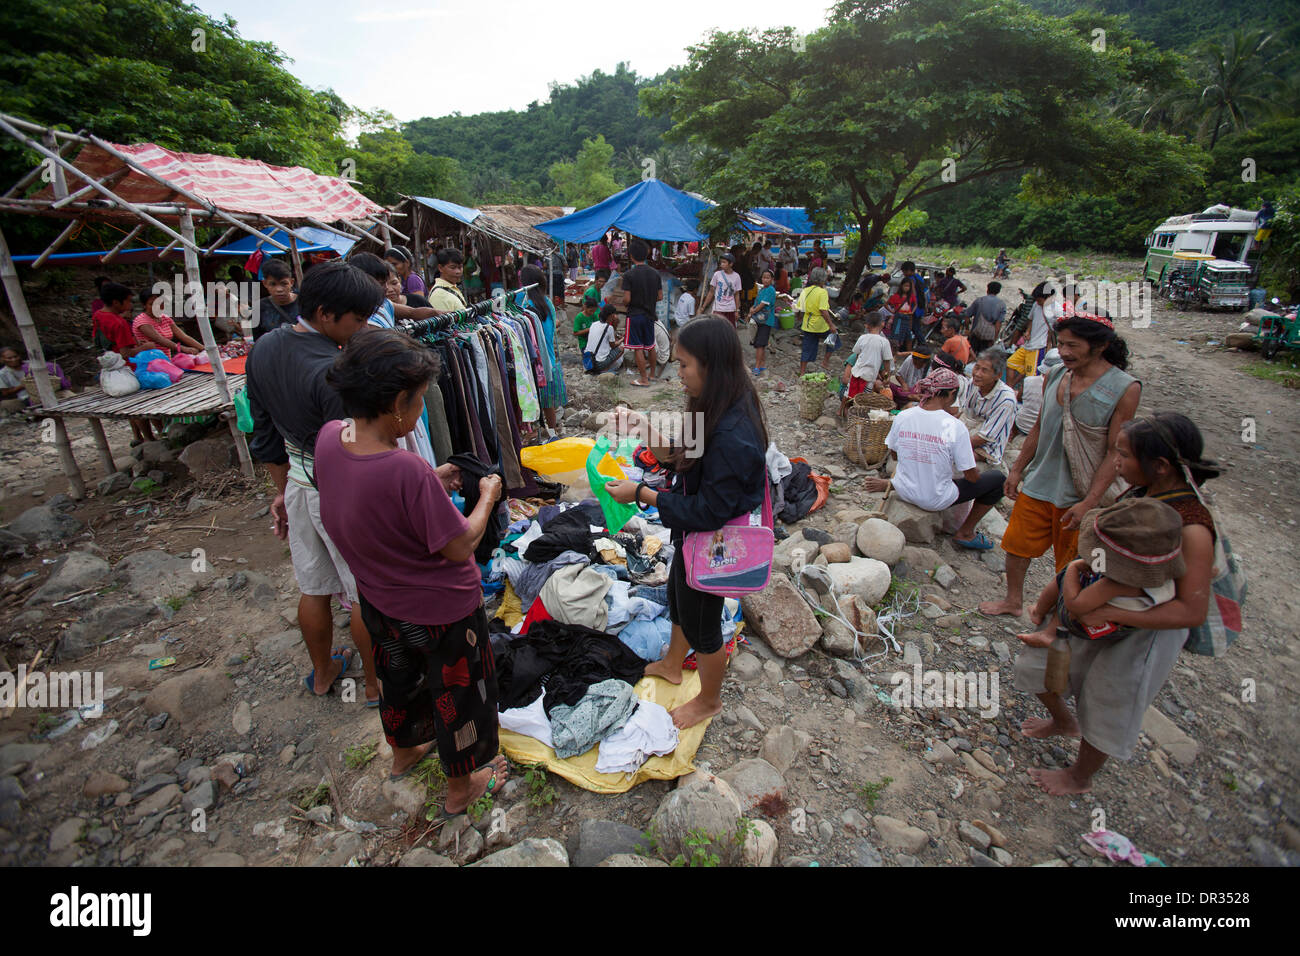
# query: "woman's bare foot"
[[1038, 638], [1059, 782], [876, 484], [693, 712], [1040, 728], [665, 670], [478, 784], [995, 608]]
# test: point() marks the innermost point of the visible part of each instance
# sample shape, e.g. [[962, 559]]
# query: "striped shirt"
[[997, 412]]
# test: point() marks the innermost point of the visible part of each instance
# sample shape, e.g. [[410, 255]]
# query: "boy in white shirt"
[[603, 342], [870, 360]]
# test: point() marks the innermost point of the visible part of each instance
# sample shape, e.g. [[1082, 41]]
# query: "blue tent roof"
[[794, 218], [310, 239], [650, 209], [462, 213]]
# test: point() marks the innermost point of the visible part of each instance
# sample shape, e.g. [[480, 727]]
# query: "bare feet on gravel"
[[996, 608], [1038, 638], [1040, 728], [1058, 783]]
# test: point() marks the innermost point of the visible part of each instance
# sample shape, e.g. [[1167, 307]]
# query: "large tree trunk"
[[869, 235]]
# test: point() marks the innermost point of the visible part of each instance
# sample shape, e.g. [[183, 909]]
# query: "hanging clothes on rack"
[[488, 385], [552, 393]]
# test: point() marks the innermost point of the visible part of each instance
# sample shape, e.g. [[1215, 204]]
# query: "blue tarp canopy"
[[650, 209], [793, 218], [461, 213], [310, 239]]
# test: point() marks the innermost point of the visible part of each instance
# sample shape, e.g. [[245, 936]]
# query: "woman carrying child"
[[1114, 682]]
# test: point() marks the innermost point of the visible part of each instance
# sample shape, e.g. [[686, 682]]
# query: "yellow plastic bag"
[[565, 460], [581, 770]]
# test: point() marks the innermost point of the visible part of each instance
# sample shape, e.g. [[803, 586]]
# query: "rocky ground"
[[223, 758]]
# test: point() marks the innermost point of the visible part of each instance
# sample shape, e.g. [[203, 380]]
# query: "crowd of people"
[[339, 394]]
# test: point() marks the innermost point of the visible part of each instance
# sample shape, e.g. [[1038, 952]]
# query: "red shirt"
[[114, 328]]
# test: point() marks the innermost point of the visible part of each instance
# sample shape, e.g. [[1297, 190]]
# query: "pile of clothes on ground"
[[581, 612]]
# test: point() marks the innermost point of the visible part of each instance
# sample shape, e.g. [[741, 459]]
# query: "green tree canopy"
[[953, 91], [587, 180]]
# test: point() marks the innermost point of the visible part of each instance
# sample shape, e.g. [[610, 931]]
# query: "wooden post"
[[60, 180], [36, 363], [101, 444], [296, 259], [209, 341]]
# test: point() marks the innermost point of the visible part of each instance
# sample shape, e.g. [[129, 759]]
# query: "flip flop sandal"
[[446, 814], [372, 704], [345, 657], [981, 542]]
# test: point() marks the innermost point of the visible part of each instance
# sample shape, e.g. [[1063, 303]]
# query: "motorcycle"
[[1016, 326]]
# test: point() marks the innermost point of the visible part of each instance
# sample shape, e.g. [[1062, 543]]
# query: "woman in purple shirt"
[[404, 265], [412, 554]]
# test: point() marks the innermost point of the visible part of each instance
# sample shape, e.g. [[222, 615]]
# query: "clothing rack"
[[420, 327]]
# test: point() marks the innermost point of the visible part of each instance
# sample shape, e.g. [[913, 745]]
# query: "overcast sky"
[[416, 58]]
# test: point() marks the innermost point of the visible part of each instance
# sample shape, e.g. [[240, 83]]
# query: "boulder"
[[866, 578], [782, 746], [760, 845], [783, 552], [75, 572], [153, 451], [11, 545], [753, 780], [157, 574], [187, 696], [880, 540], [209, 456], [837, 640], [596, 840], [1169, 736], [924, 560], [846, 533], [44, 523], [530, 852], [118, 481], [423, 856], [837, 552], [701, 808], [899, 835], [98, 624], [781, 617], [918, 526]]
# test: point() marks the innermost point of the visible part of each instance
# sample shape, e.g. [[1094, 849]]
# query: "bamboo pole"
[[60, 180], [35, 173], [102, 446], [112, 253], [210, 342], [36, 363], [296, 259], [112, 179], [62, 237]]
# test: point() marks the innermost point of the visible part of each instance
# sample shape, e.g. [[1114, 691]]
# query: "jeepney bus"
[[1224, 233]]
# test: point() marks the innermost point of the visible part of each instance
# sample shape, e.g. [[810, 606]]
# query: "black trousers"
[[986, 490]]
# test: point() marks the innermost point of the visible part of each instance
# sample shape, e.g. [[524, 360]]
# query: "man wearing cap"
[[1025, 359]]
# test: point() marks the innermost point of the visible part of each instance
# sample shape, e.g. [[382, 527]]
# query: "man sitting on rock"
[[930, 445]]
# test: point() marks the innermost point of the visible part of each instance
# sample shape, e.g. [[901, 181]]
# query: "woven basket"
[[864, 441], [811, 403], [870, 400]]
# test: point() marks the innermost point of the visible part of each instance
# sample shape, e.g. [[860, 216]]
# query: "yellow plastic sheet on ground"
[[581, 770]]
